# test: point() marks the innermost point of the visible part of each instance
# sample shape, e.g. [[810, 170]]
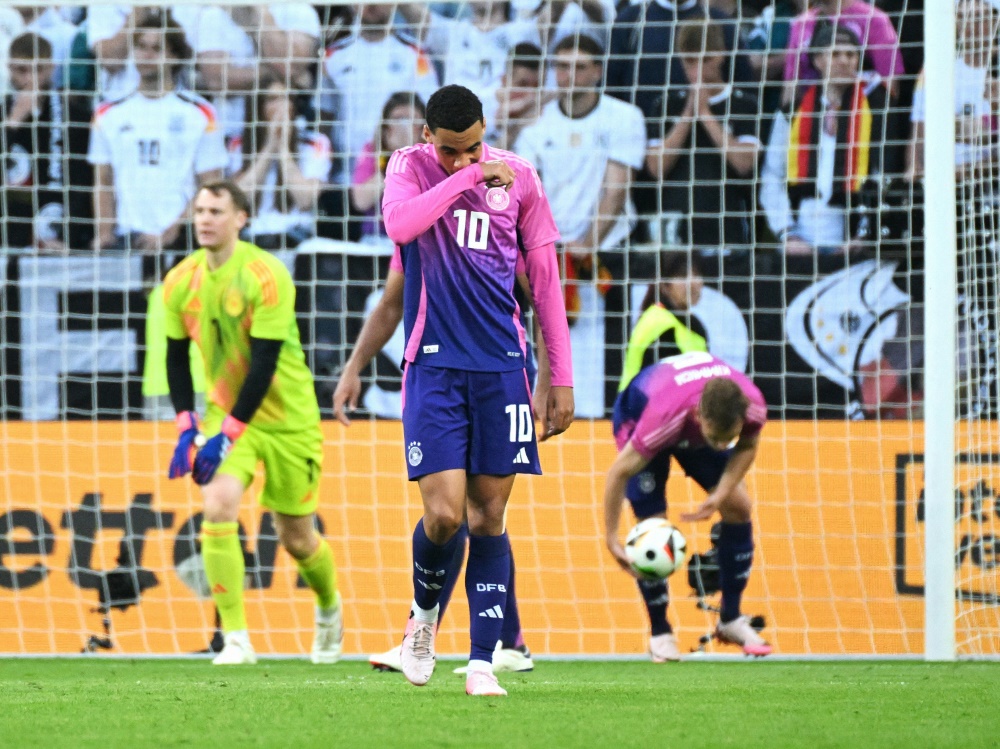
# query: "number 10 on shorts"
[[520, 422]]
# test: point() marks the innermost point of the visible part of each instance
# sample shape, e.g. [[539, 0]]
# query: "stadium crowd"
[[747, 136]]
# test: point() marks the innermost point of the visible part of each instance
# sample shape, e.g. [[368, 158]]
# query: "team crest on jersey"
[[233, 303], [176, 124], [497, 198], [414, 454]]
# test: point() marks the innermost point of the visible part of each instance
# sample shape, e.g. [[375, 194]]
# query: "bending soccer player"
[[238, 303], [695, 408], [511, 653], [460, 213]]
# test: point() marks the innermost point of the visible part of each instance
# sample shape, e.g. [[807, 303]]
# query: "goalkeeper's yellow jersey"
[[250, 295]]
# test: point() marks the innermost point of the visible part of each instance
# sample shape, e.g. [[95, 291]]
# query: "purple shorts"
[[647, 490], [480, 422]]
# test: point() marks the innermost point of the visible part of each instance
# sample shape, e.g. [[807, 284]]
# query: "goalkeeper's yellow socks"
[[320, 574], [224, 568]]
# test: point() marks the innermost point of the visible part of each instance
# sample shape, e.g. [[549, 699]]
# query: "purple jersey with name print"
[[657, 409], [459, 310]]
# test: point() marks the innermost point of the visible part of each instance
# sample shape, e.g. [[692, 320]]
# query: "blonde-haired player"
[[238, 303]]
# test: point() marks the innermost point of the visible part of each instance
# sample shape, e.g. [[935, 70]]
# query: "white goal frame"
[[940, 234]]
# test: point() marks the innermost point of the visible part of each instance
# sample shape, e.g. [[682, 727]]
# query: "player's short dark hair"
[[582, 42], [526, 55], [723, 403], [30, 47], [453, 108], [240, 200]]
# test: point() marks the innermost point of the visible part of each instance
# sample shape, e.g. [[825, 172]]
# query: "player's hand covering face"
[[455, 151], [498, 174]]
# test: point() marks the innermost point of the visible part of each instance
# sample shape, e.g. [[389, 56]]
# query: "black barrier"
[[825, 337]]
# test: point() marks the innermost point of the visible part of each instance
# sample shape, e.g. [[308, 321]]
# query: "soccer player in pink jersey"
[[697, 409], [461, 214]]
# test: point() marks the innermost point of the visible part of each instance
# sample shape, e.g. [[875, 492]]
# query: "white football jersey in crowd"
[[474, 58], [363, 75], [156, 147], [572, 154]]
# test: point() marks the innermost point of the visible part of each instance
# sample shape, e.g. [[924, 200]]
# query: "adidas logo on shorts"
[[522, 456]]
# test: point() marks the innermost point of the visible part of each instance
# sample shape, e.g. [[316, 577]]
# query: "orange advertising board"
[[838, 523]]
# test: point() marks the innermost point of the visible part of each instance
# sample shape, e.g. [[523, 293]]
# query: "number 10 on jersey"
[[478, 225]]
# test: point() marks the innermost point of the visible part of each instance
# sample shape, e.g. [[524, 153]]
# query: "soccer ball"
[[655, 548]]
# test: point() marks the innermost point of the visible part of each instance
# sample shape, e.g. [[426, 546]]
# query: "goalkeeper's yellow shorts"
[[293, 463]]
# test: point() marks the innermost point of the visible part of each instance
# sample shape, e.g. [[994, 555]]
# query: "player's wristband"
[[186, 420], [232, 428]]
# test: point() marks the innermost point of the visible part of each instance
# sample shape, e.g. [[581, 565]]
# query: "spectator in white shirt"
[[362, 71], [152, 149]]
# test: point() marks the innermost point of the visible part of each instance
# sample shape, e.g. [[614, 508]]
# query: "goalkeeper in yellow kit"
[[237, 303]]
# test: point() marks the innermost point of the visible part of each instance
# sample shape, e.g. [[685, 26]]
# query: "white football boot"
[[483, 684], [388, 661], [237, 650], [416, 655], [328, 639], [663, 648]]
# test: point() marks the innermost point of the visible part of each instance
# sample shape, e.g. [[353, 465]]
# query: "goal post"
[[940, 330]]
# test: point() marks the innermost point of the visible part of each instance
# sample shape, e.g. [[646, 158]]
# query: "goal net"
[[977, 509], [740, 178]]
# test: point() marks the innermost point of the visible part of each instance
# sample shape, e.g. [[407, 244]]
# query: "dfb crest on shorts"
[[647, 482], [414, 454]]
